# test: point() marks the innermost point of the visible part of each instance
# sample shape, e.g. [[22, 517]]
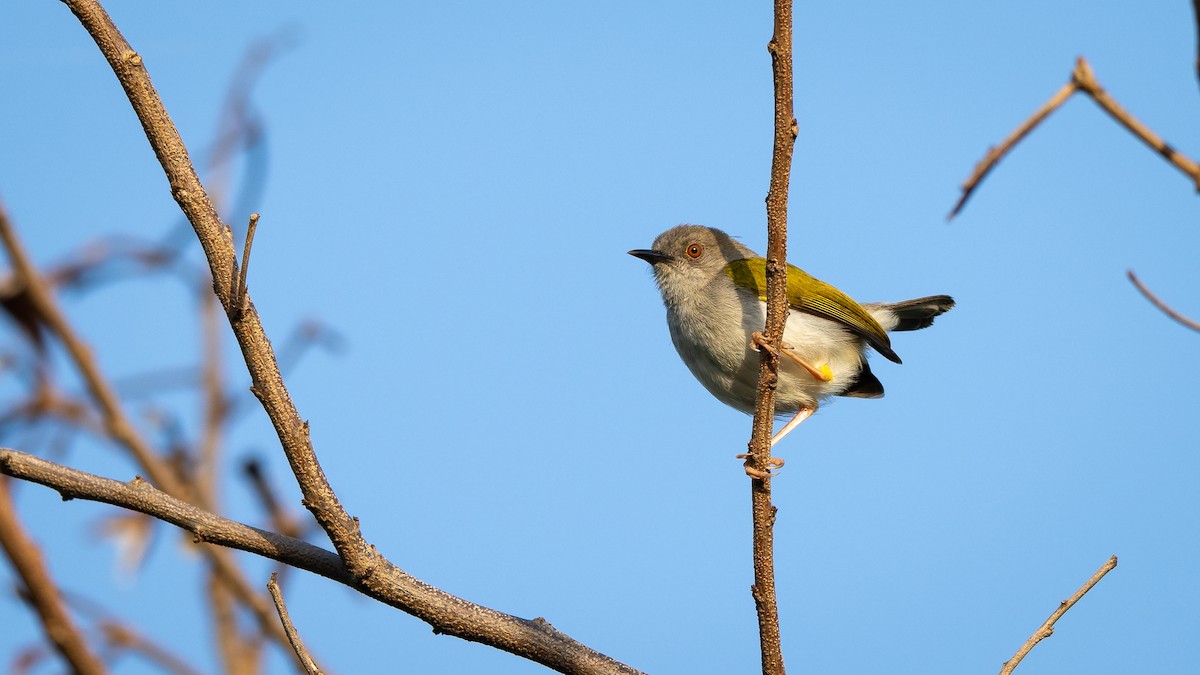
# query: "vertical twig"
[[238, 302], [763, 511], [1196, 17]]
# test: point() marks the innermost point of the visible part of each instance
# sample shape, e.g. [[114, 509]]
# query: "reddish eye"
[[694, 250]]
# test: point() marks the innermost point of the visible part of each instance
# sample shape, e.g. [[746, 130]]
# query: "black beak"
[[651, 256]]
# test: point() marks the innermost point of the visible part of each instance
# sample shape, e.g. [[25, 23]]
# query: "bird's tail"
[[918, 313]]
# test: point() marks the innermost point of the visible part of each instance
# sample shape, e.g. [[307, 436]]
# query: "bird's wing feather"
[[813, 296]]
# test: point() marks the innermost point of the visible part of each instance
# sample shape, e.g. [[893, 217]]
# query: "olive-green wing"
[[813, 296]]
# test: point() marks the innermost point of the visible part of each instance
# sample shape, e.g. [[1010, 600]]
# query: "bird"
[[714, 289]]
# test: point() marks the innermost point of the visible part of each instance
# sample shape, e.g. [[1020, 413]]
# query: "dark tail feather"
[[917, 314], [865, 385]]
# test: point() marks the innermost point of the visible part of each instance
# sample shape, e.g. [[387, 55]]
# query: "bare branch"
[[121, 636], [760, 461], [1166, 309], [29, 566], [1085, 79], [534, 639], [138, 495], [1082, 80], [239, 287], [302, 654], [1196, 17], [996, 153], [1047, 628]]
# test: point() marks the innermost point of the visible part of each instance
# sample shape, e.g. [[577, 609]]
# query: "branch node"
[[237, 297]]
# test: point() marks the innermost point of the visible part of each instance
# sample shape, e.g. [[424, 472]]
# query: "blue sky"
[[453, 186]]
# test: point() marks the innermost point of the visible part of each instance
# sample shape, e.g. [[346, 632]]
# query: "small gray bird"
[[715, 289]]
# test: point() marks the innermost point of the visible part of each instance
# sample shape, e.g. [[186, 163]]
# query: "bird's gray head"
[[688, 258]]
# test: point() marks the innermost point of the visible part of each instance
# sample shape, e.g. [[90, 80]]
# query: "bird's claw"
[[754, 472]]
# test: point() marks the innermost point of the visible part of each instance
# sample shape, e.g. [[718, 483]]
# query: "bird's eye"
[[694, 250]]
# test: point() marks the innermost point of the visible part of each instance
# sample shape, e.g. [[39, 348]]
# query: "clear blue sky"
[[453, 186]]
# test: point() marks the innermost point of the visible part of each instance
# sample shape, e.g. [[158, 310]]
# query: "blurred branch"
[[281, 520], [116, 423], [239, 655], [1166, 309], [760, 462], [1047, 628], [1196, 17], [122, 637], [306, 660], [43, 595], [1082, 80]]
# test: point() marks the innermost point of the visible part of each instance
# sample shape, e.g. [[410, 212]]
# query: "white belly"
[[728, 367]]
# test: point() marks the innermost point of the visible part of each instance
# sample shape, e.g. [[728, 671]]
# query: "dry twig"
[[1082, 80], [1047, 628], [763, 511], [1154, 300], [306, 660]]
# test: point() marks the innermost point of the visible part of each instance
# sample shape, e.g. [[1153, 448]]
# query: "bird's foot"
[[824, 374], [753, 472]]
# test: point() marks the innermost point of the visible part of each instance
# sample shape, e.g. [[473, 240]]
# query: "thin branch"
[[239, 288], [1085, 79], [121, 636], [302, 654], [1047, 628], [138, 495], [534, 639], [1082, 80], [281, 521], [1196, 18], [762, 510], [997, 152], [44, 596], [1154, 299]]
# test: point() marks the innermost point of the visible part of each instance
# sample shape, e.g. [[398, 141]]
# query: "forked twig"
[[1083, 79], [1047, 628]]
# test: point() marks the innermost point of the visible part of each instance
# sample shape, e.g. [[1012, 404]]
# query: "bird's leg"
[[801, 415], [823, 373], [774, 462]]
